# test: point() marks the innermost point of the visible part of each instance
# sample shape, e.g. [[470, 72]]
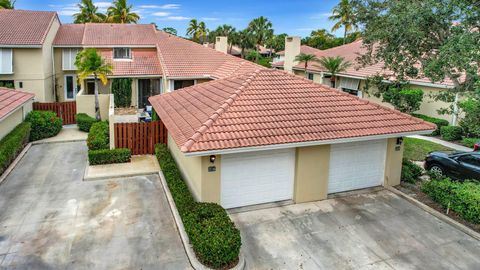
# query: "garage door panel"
[[356, 165], [254, 178]]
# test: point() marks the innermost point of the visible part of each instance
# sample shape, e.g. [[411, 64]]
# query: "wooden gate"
[[140, 137], [65, 110]]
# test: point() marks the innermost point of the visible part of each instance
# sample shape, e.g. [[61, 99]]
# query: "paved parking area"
[[370, 231], [51, 219]]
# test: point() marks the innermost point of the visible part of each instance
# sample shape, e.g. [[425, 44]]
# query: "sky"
[[296, 18]]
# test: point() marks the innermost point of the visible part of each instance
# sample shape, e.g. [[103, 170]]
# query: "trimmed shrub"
[[214, 237], [461, 197], [410, 171], [470, 142], [45, 124], [109, 156], [122, 92], [98, 137], [451, 133], [84, 121], [437, 121], [12, 144]]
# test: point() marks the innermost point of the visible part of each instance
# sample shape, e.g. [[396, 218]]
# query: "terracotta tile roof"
[[24, 27], [303, 49], [185, 59], [268, 107], [69, 34], [143, 62], [10, 100]]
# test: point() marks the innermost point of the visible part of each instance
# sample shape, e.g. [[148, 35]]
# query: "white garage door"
[[356, 165], [257, 177]]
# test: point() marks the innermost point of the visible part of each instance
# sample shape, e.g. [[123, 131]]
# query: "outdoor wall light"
[[212, 158], [399, 141]]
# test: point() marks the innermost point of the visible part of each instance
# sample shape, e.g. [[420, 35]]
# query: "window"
[[6, 61], [350, 85], [90, 87], [7, 83], [182, 84], [122, 53], [70, 87], [470, 159], [310, 76], [68, 59]]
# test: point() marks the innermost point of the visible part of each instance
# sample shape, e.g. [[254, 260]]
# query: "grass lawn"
[[417, 149]]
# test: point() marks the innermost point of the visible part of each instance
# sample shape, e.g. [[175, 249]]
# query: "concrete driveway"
[[51, 219], [371, 231]]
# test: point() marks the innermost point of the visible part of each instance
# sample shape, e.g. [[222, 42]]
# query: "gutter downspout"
[[54, 78]]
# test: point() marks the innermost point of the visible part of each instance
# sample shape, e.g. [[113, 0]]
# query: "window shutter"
[[6, 61], [349, 83]]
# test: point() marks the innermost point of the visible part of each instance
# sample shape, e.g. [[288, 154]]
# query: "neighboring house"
[[26, 39], [354, 78], [14, 106], [268, 136]]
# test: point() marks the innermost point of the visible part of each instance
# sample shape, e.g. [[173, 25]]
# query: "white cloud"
[[166, 6], [102, 4], [321, 15], [161, 14], [209, 19], [176, 18], [65, 10]]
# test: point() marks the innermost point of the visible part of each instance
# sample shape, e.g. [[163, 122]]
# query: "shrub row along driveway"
[[370, 231], [51, 219]]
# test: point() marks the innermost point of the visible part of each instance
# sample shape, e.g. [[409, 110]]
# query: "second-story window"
[[122, 53], [6, 61], [68, 59]]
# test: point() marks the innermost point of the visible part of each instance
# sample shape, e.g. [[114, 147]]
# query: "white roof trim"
[[303, 144], [21, 46]]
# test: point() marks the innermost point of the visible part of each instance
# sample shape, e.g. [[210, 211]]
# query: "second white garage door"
[[257, 177], [356, 165]]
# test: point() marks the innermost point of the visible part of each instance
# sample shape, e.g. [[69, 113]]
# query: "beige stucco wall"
[[311, 173], [211, 181], [86, 104], [10, 122], [393, 163]]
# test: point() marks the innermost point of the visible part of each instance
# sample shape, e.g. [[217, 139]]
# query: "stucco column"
[[211, 182], [393, 163]]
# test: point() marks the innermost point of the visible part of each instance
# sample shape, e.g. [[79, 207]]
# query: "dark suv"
[[458, 165]]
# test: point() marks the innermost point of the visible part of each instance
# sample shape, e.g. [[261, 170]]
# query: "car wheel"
[[437, 170]]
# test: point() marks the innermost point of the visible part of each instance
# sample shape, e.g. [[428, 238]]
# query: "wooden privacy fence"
[[65, 110], [140, 137]]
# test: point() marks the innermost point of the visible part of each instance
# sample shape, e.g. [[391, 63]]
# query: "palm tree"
[[226, 31], [7, 4], [120, 12], [89, 63], [244, 40], [305, 58], [193, 29], [261, 29], [334, 65], [344, 14], [88, 13], [202, 32]]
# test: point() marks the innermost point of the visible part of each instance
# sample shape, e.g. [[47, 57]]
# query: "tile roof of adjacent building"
[[270, 107], [25, 27], [143, 62], [69, 34], [11, 99], [303, 49]]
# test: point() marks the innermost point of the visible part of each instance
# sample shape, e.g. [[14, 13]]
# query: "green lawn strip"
[[418, 149]]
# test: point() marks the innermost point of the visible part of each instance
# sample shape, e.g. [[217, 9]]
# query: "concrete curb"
[[435, 213], [50, 142], [196, 264], [14, 163], [93, 178]]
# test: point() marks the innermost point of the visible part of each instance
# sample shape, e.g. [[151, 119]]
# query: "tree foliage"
[[170, 30], [322, 39], [88, 13], [305, 59], [121, 12], [334, 65], [7, 4], [405, 100], [122, 92], [261, 30], [344, 15]]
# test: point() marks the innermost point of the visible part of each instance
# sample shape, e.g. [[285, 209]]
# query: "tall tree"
[[202, 32], [334, 65], [88, 13], [90, 63], [7, 4], [344, 15], [244, 40], [261, 29], [306, 58], [277, 42], [224, 30], [192, 30], [121, 12]]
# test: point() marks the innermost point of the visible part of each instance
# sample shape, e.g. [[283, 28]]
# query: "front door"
[[70, 87], [146, 89]]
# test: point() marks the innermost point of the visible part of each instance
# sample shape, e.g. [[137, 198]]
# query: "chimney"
[[292, 49], [221, 44]]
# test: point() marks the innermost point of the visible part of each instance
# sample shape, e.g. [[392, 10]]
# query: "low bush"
[[470, 142], [12, 144], [122, 92], [44, 124], [98, 137], [214, 237], [437, 121], [451, 133], [461, 197], [109, 156], [410, 171], [84, 121]]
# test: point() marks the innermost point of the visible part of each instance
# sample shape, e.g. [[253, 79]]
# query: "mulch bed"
[[414, 191]]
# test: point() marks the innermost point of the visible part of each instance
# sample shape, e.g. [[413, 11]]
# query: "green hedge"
[[45, 124], [470, 142], [462, 197], [98, 137], [410, 171], [84, 121], [214, 237], [12, 144], [451, 133], [437, 121], [109, 156], [122, 92]]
